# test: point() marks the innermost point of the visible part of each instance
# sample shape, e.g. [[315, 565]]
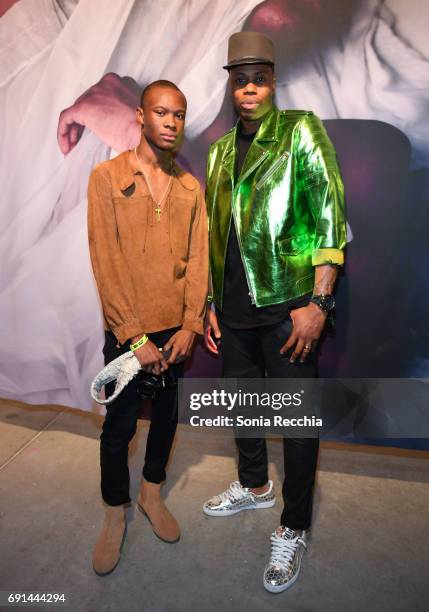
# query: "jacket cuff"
[[327, 256], [128, 330]]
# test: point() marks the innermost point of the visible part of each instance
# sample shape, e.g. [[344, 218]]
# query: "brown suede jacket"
[[151, 274]]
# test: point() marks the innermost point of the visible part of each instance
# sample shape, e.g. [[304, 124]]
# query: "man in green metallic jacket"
[[277, 235]]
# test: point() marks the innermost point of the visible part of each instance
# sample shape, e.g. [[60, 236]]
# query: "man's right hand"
[[150, 357], [211, 332], [108, 109]]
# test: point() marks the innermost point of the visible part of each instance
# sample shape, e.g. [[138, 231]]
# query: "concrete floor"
[[369, 549]]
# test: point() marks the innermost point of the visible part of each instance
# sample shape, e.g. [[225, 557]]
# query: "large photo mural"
[[71, 73]]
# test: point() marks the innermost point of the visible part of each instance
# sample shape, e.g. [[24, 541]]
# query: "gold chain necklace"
[[158, 208]]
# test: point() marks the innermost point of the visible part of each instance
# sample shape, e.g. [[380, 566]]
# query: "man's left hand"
[[181, 344], [308, 323]]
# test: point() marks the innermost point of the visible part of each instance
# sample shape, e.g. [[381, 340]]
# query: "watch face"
[[325, 302], [329, 302]]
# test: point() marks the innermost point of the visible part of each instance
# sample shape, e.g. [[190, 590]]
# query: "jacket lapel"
[[261, 146], [229, 157]]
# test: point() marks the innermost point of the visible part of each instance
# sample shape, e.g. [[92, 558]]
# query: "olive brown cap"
[[249, 48]]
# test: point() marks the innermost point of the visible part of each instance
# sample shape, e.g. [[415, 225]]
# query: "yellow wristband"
[[139, 343]]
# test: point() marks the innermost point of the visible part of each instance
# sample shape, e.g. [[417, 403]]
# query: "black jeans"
[[120, 425], [254, 353]]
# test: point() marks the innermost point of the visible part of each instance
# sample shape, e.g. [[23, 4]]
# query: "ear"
[[274, 83], [140, 115]]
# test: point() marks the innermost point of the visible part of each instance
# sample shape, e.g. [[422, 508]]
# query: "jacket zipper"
[[224, 259], [257, 162], [249, 285], [271, 170]]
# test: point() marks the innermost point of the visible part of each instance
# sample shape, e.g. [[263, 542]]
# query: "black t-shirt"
[[238, 310]]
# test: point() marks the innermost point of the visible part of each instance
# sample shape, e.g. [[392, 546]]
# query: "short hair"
[[159, 83]]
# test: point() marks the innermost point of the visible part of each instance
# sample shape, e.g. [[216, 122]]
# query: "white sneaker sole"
[[262, 505]]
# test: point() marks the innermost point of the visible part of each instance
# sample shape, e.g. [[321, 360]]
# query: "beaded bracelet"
[[139, 343]]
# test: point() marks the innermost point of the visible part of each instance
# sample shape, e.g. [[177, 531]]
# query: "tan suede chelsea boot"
[[107, 551], [151, 504]]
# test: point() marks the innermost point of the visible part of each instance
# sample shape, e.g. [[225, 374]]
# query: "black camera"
[[149, 385]]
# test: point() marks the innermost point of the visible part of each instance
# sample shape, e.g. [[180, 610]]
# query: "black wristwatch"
[[325, 302]]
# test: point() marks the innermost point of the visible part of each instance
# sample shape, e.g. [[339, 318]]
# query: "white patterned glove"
[[122, 369]]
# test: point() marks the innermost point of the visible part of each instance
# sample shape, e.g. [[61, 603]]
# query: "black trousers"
[[254, 353], [120, 425]]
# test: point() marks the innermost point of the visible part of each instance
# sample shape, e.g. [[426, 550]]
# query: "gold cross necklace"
[[158, 208]]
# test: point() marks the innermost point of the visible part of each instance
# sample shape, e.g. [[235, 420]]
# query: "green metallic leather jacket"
[[287, 205]]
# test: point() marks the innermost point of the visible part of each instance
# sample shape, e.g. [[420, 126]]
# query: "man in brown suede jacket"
[[148, 242]]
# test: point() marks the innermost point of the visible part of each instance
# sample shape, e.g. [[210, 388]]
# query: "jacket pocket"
[[295, 245], [281, 160]]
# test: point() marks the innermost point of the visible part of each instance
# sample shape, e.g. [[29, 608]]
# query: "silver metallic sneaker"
[[287, 549], [237, 498]]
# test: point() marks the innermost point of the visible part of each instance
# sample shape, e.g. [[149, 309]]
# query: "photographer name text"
[[241, 421]]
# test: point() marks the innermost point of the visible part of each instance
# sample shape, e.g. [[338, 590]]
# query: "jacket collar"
[[126, 175], [265, 137], [124, 171]]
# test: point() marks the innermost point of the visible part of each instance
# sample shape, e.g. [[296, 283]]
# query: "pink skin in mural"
[[108, 107]]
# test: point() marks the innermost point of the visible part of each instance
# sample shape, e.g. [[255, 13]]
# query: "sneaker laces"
[[233, 493], [283, 549]]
